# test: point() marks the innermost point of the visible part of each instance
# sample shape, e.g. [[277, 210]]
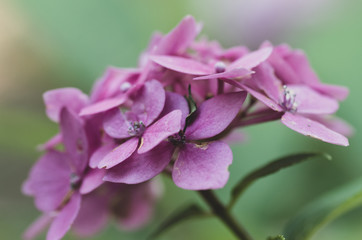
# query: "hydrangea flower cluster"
[[174, 114]]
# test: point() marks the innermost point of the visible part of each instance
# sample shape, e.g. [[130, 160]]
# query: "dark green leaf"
[[183, 214], [192, 107], [191, 101], [324, 210], [271, 168], [279, 237]]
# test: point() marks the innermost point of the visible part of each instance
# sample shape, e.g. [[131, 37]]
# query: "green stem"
[[223, 214]]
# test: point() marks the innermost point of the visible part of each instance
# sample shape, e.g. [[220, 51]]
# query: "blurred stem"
[[224, 215], [259, 119], [220, 86], [245, 112]]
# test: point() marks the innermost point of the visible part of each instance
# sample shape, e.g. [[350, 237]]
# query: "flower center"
[[136, 128], [220, 67], [74, 181], [289, 104], [177, 139]]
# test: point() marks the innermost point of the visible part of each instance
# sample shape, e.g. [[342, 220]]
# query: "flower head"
[[173, 114]]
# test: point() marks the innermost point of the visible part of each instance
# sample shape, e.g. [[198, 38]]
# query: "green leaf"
[[183, 214], [192, 107], [324, 210], [279, 237], [191, 101], [271, 168]]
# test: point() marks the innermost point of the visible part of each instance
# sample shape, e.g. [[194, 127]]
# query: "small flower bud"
[[220, 67]]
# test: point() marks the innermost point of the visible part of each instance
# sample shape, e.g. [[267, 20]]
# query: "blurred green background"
[[50, 44]]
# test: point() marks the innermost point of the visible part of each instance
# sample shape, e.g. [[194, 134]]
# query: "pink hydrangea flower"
[[138, 126], [131, 205], [58, 179], [201, 162], [292, 67], [172, 114], [297, 100]]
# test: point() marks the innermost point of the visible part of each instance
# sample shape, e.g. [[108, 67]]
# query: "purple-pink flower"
[[59, 178], [199, 161], [173, 114], [298, 93]]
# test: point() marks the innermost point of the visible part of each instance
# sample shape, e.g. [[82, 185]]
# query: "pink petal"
[[183, 65], [62, 223], [334, 123], [235, 137], [140, 204], [176, 41], [233, 53], [214, 115], [267, 81], [251, 59], [175, 101], [234, 82], [155, 188], [100, 153], [94, 133], [103, 105], [160, 130], [115, 124], [119, 154], [141, 79], [51, 143], [92, 216], [74, 139], [38, 226], [152, 46], [92, 180], [284, 50], [201, 167], [264, 99], [149, 102], [312, 102], [233, 73], [339, 125], [141, 167], [283, 70], [27, 188], [49, 181], [71, 98], [268, 115], [300, 64], [109, 85], [334, 91], [313, 129]]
